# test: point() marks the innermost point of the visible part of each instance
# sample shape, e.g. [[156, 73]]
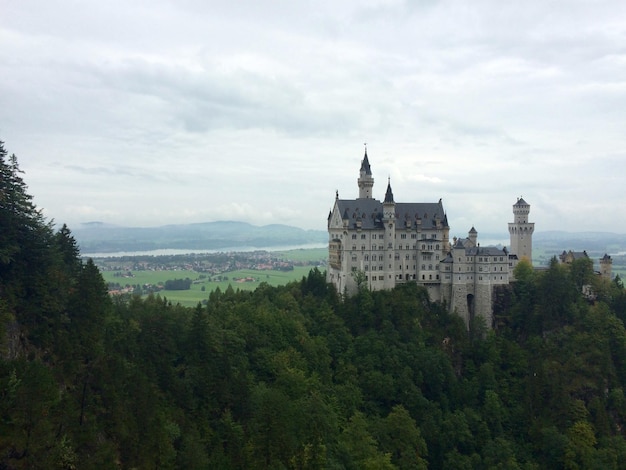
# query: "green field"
[[194, 295]]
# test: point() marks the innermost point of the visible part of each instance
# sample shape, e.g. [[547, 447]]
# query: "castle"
[[388, 243]]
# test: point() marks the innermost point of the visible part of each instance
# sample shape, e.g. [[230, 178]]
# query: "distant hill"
[[98, 237], [595, 243]]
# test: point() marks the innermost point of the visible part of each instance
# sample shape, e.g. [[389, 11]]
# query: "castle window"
[[367, 257], [366, 267], [423, 277], [362, 247], [362, 236], [403, 236], [353, 269], [380, 257], [399, 276], [424, 266], [437, 276], [354, 247], [354, 236], [430, 276], [436, 247], [374, 236], [373, 268], [407, 257], [414, 235]]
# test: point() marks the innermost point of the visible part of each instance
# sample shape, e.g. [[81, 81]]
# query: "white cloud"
[[164, 112]]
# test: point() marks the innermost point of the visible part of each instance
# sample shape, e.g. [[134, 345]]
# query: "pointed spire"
[[389, 193], [365, 164]]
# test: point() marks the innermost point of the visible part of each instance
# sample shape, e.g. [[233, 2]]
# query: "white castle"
[[387, 243]]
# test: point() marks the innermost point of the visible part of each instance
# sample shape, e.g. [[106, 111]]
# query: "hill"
[[97, 237]]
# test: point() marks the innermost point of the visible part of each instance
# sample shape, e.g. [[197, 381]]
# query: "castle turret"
[[472, 235], [365, 181], [606, 267], [521, 231], [389, 221]]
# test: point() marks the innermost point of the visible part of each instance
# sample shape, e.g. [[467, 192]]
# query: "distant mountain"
[[595, 243], [97, 237]]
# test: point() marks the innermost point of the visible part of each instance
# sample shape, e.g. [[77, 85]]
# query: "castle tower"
[[606, 267], [521, 231], [365, 181], [389, 221], [473, 236]]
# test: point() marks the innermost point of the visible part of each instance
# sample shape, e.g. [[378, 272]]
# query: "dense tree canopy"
[[297, 377]]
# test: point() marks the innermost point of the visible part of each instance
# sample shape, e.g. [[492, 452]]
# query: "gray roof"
[[365, 165], [389, 193], [370, 211], [485, 251], [521, 202]]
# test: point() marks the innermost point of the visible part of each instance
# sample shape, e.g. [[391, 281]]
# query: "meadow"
[[202, 285]]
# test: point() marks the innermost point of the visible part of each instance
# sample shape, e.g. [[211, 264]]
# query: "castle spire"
[[389, 193], [365, 181]]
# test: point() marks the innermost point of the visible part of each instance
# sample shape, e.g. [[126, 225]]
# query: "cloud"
[[198, 110]]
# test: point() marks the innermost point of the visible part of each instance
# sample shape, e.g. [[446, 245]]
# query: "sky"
[[147, 113]]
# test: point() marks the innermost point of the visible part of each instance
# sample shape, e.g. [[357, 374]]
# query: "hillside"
[[96, 237], [298, 376]]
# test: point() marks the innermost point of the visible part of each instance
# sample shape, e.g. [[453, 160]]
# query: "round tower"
[[606, 267], [365, 181], [473, 236], [521, 231]]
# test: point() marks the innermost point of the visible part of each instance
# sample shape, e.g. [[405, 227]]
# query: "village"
[[124, 273]]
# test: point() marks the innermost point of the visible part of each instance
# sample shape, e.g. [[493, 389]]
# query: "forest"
[[298, 376]]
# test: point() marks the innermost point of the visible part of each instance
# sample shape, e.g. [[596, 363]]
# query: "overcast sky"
[[148, 113]]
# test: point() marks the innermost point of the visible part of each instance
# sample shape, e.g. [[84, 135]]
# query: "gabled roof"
[[370, 211], [485, 251]]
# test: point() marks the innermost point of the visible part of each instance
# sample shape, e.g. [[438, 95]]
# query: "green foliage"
[[295, 377]]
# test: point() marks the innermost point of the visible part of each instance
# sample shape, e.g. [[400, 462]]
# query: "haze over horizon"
[[162, 112]]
